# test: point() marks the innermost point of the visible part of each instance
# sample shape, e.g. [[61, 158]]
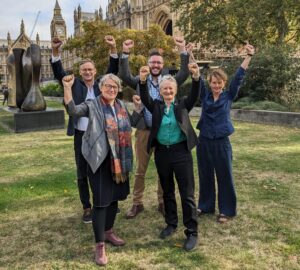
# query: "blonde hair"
[[86, 60], [217, 73], [112, 77]]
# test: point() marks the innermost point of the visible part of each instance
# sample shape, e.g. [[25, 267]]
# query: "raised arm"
[[57, 67], [72, 109], [240, 73], [192, 97], [183, 72], [114, 59], [145, 97], [124, 70]]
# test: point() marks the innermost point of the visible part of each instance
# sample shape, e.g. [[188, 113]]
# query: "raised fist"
[[180, 43], [128, 44], [68, 81], [194, 69], [249, 49], [144, 72], [110, 41], [56, 43]]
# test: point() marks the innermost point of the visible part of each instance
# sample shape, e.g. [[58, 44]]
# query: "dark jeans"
[[177, 159], [103, 220], [81, 166], [215, 156]]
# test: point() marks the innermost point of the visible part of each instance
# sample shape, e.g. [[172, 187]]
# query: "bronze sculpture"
[[24, 69]]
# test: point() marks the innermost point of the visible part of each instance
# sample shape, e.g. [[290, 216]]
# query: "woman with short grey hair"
[[106, 146]]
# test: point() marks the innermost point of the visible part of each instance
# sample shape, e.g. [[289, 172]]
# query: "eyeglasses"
[[87, 69], [155, 63], [109, 87]]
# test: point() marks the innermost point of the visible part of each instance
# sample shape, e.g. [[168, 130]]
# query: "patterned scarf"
[[118, 130]]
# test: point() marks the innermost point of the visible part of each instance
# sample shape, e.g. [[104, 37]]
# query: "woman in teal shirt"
[[174, 137]]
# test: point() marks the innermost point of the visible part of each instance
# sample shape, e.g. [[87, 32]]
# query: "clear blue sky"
[[13, 11]]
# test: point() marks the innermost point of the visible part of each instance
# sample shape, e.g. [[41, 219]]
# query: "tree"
[[91, 44], [227, 23]]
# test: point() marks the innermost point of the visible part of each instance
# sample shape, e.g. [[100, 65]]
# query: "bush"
[[247, 103], [272, 74], [52, 90]]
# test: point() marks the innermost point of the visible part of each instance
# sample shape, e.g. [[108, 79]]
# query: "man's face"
[[156, 64], [87, 72]]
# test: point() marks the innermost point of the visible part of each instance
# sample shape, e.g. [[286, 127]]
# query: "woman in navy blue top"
[[214, 152]]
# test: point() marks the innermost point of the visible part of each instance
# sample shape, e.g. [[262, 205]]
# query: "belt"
[[175, 146]]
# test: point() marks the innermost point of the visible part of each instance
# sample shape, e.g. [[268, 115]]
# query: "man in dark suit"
[[83, 88]]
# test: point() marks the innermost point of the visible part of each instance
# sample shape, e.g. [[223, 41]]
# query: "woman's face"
[[109, 90], [216, 85], [168, 91]]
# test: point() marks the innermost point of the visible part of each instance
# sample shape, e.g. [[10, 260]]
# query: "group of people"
[[102, 126]]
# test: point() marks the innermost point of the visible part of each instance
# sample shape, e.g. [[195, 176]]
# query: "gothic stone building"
[[140, 14]]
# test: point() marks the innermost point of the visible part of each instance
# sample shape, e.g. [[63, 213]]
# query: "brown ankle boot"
[[112, 238], [100, 256]]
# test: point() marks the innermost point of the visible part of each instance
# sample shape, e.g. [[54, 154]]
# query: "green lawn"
[[40, 212]]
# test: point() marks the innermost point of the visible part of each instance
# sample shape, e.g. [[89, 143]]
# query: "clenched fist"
[[110, 41], [128, 44], [144, 72], [180, 43], [68, 81], [194, 69]]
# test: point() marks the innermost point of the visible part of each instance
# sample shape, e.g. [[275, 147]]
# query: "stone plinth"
[[18, 121]]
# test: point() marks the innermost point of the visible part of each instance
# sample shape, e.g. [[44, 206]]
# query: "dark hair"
[[155, 52]]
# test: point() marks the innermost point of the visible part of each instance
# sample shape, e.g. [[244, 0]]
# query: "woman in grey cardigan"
[[106, 145]]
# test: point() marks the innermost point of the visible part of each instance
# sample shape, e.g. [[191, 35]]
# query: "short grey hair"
[[169, 78], [112, 77]]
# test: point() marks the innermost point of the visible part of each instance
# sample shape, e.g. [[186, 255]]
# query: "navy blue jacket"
[[215, 122]]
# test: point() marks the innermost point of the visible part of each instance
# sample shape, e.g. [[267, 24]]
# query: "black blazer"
[[181, 110], [79, 89]]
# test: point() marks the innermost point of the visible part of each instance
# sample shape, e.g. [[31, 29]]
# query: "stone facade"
[[140, 14]]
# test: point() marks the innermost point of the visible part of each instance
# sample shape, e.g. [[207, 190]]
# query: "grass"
[[40, 213]]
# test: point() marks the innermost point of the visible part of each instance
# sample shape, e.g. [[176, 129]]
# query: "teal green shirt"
[[169, 132]]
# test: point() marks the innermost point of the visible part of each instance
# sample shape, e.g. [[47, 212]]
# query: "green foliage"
[[247, 103], [52, 90], [91, 44], [272, 73], [226, 23]]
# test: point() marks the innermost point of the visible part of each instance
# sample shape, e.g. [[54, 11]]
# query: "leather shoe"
[[161, 208], [100, 256], [190, 242], [134, 211], [166, 232], [112, 238]]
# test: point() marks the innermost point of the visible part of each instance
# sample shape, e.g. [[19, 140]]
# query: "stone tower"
[[58, 26]]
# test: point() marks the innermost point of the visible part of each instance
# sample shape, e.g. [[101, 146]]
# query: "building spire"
[[57, 5], [22, 30]]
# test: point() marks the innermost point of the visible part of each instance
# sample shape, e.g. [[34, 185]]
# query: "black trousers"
[[177, 159], [103, 220], [81, 166]]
